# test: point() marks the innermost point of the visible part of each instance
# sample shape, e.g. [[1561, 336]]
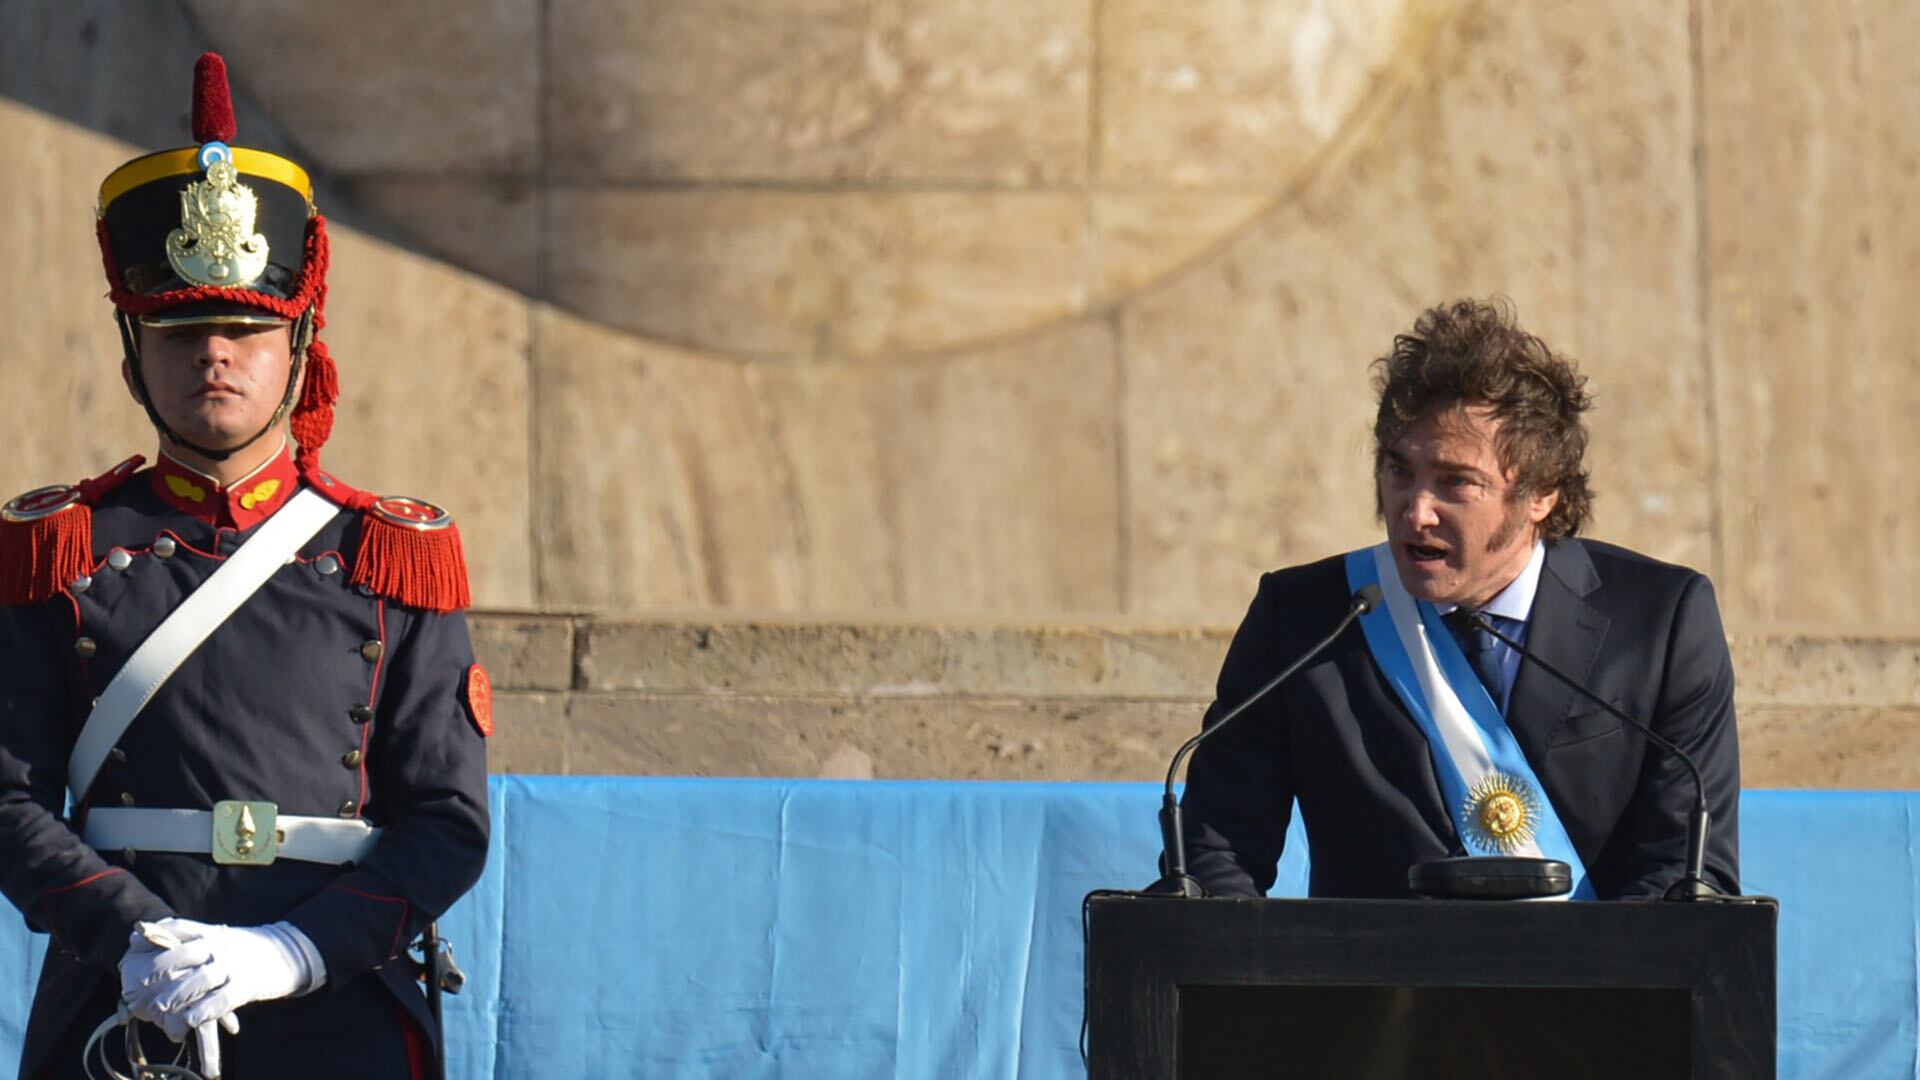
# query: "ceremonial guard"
[[242, 733]]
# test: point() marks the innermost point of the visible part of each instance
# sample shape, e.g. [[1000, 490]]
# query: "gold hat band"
[[186, 161]]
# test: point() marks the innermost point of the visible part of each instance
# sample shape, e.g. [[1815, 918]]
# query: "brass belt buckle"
[[245, 833]]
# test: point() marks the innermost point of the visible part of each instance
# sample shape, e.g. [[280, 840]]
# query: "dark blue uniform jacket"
[[317, 695]]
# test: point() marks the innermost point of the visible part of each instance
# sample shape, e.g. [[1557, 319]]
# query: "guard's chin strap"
[[300, 336]]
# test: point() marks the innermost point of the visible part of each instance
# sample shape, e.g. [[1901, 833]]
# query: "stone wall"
[[1095, 700], [912, 306], [917, 310]]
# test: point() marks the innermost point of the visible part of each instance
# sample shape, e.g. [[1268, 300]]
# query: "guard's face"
[[1457, 536], [215, 384]]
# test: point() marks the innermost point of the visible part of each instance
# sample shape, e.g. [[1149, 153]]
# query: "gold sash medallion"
[[1500, 813], [215, 243]]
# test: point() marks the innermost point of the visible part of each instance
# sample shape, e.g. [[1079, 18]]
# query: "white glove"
[[153, 961], [213, 971]]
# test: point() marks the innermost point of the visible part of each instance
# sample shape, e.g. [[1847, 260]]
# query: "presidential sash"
[[1496, 802]]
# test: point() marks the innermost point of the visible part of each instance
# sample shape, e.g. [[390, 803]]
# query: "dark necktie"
[[1484, 651]]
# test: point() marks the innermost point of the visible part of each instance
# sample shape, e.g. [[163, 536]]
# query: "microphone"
[[1693, 885], [1173, 842]]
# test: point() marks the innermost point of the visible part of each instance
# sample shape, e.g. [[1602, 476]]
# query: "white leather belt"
[[234, 833]]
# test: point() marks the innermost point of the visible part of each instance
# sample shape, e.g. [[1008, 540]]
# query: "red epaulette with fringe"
[[409, 548], [46, 535], [410, 552]]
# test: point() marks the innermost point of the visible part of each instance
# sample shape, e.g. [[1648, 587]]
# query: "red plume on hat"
[[212, 102]]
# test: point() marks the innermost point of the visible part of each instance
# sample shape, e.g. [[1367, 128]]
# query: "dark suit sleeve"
[[1239, 795], [60, 884], [427, 776], [1694, 710]]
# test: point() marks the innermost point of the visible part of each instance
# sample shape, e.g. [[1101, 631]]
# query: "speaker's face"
[[1459, 532]]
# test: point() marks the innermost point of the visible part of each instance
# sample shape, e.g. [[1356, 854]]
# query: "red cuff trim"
[[394, 949], [364, 895], [90, 879], [41, 900]]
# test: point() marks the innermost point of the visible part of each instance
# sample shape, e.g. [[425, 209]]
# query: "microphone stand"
[[1693, 885], [1173, 842]]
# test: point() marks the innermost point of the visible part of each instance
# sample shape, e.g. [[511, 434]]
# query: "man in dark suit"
[[1416, 737]]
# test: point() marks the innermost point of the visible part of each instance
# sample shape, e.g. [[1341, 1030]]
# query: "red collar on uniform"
[[241, 505]]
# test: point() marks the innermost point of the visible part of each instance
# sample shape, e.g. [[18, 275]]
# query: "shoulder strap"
[[197, 617]]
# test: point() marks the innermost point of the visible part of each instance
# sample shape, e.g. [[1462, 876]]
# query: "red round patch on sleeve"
[[479, 693]]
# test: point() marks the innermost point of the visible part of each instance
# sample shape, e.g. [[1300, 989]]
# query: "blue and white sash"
[[1496, 802]]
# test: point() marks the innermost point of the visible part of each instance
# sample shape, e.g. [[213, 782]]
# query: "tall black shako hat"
[[222, 234]]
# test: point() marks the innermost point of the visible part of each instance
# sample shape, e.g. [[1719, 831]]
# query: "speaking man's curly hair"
[[1473, 352]]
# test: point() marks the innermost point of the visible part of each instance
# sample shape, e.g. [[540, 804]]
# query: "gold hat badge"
[[215, 243]]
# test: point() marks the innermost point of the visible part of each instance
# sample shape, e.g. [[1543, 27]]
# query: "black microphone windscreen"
[[1367, 598]]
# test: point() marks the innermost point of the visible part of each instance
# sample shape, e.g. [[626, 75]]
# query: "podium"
[[1380, 989]]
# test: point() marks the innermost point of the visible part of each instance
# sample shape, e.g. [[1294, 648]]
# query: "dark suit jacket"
[[1642, 634]]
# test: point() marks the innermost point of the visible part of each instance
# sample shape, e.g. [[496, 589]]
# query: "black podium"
[[1366, 989]]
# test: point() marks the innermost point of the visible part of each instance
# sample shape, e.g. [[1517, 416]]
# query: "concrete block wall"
[[707, 695]]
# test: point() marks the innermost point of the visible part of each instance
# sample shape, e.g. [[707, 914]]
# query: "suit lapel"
[[1565, 631]]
